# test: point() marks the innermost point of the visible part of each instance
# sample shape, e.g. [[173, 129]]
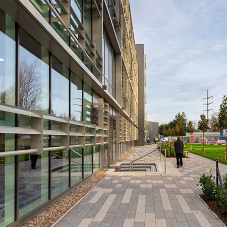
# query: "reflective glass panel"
[[7, 59], [7, 171], [76, 98], [59, 89], [96, 157], [33, 178], [59, 172], [87, 104], [87, 17], [33, 74], [76, 165], [87, 160]]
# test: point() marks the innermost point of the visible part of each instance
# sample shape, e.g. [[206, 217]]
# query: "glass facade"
[[7, 59], [33, 74], [88, 161], [87, 107], [96, 150], [76, 98], [109, 69], [59, 89], [76, 165], [34, 77]]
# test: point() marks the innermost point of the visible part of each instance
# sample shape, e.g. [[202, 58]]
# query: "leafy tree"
[[222, 116], [177, 130], [203, 125], [180, 120], [213, 122], [190, 128]]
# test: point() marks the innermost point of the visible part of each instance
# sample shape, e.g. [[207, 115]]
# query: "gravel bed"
[[53, 213]]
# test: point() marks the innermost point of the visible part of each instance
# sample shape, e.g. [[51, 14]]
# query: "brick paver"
[[147, 199]]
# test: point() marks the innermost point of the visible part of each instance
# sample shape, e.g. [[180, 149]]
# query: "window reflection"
[[76, 165], [33, 178], [87, 160], [59, 172], [87, 104], [33, 74], [60, 89], [109, 70], [76, 98], [7, 59], [96, 158]]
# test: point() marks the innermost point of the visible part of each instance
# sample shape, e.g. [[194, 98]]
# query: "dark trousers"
[[179, 158]]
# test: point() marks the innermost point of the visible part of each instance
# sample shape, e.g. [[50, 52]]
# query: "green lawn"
[[211, 151]]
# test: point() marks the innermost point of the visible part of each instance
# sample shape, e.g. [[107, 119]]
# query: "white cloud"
[[186, 47]]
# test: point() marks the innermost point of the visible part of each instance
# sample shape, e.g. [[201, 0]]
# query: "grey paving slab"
[[147, 199]]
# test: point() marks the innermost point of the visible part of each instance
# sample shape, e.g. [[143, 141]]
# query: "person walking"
[[179, 147]]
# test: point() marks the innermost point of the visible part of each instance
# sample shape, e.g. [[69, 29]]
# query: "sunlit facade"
[[68, 97]]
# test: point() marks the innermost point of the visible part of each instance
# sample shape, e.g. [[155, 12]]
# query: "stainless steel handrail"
[[18, 152], [131, 163], [76, 152]]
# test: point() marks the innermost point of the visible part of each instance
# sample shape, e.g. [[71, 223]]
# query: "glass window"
[[59, 172], [87, 104], [42, 8], [87, 160], [76, 165], [95, 108], [7, 172], [33, 74], [59, 89], [77, 7], [96, 157], [87, 17], [76, 98], [33, 176], [7, 59]]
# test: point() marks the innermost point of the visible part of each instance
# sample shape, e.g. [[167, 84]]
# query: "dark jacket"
[[179, 146]]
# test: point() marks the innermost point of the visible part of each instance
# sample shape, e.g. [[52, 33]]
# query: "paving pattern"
[[147, 199]]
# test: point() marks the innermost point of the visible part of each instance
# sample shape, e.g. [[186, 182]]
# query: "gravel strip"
[[53, 213]]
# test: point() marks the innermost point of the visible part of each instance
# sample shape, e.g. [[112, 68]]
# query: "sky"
[[186, 51]]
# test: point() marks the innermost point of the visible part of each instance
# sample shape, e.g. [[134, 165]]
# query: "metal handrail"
[[131, 163], [218, 175], [76, 152]]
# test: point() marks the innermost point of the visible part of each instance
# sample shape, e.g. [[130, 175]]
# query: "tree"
[[30, 85], [177, 130], [222, 117], [203, 125], [213, 122], [180, 120], [190, 128]]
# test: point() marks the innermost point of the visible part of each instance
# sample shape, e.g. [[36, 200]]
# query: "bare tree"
[[30, 85]]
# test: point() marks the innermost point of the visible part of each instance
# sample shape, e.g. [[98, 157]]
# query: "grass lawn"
[[211, 151]]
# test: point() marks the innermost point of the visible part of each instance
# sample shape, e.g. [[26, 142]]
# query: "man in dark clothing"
[[179, 147]]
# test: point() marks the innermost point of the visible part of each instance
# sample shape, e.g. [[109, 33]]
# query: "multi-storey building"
[[68, 97]]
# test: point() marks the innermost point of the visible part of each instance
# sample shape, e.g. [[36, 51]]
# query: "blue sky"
[[186, 47]]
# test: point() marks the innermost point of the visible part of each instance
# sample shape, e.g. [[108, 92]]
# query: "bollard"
[[165, 160], [225, 155], [216, 172]]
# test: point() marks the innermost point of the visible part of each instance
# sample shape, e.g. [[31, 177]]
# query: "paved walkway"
[[147, 199]]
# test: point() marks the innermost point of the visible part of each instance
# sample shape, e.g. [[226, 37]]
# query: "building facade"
[[152, 130], [68, 97], [142, 96]]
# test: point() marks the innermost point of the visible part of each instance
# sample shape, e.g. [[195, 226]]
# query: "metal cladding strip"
[[19, 152]]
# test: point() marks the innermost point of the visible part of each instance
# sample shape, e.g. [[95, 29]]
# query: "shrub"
[[225, 181], [221, 196], [208, 186]]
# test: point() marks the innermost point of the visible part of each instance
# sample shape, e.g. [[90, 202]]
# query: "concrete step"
[[135, 169]]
